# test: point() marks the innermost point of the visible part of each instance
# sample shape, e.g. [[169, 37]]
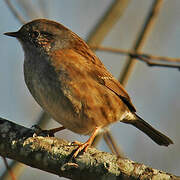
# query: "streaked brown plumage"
[[69, 82]]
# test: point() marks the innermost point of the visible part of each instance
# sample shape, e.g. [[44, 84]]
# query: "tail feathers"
[[155, 135]]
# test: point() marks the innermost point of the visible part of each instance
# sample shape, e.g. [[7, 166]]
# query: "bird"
[[71, 83]]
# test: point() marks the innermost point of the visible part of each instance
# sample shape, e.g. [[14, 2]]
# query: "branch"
[[147, 58], [10, 172], [53, 155], [32, 11], [134, 54], [15, 12], [141, 39], [108, 20], [149, 63]]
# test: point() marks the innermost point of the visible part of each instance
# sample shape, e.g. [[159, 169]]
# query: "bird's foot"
[[47, 133], [81, 147], [84, 146]]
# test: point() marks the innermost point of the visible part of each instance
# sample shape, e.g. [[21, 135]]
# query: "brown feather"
[[118, 89], [94, 69]]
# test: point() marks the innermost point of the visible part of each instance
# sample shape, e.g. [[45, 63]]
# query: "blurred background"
[[155, 91]]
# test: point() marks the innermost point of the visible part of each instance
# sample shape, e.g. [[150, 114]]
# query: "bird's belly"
[[62, 111], [52, 100]]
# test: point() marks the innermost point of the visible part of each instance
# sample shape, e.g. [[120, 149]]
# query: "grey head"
[[43, 35]]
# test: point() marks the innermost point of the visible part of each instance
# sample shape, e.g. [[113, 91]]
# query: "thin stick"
[[105, 24], [134, 54], [147, 58], [109, 139], [147, 28], [9, 169], [157, 64], [22, 21], [15, 12], [31, 11], [163, 65]]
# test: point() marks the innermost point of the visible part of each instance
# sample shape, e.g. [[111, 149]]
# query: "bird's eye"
[[35, 34], [46, 34]]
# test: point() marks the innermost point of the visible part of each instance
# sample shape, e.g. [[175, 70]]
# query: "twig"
[[163, 65], [15, 167], [44, 7], [53, 155], [147, 58], [9, 169], [139, 43], [106, 23], [113, 145], [15, 12], [134, 54], [31, 11], [14, 164]]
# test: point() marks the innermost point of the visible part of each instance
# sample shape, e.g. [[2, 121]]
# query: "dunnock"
[[70, 83]]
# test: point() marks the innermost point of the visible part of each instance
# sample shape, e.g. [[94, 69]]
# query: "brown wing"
[[118, 89], [99, 72], [95, 69], [106, 79]]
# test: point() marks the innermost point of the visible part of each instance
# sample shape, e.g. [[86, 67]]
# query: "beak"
[[13, 34]]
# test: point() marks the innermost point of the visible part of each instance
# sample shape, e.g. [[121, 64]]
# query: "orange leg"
[[9, 169], [55, 130], [87, 144]]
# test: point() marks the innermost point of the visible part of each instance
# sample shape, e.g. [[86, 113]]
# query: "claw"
[[81, 147], [77, 143], [38, 131], [55, 130], [84, 146]]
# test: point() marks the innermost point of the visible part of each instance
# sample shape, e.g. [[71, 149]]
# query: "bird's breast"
[[45, 86]]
